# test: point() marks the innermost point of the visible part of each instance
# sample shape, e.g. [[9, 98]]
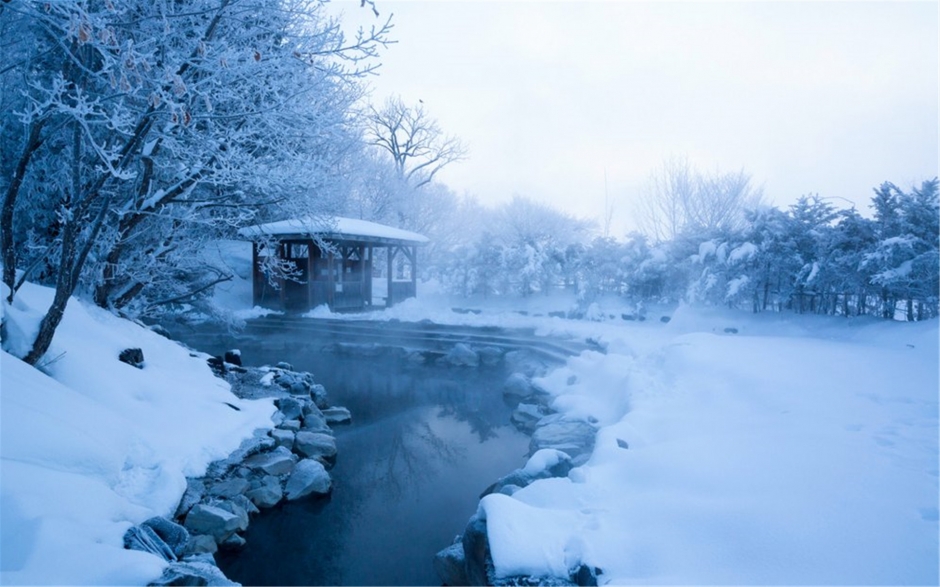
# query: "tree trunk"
[[7, 246]]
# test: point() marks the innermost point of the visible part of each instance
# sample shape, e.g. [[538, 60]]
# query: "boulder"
[[337, 415], [462, 356], [195, 491], [450, 565], [229, 488], [268, 494], [133, 357], [526, 416], [283, 438], [217, 364], [233, 357], [574, 437], [291, 407], [318, 394], [200, 543], [233, 542], [215, 521], [144, 538], [517, 387], [279, 461], [198, 569], [490, 355], [476, 551], [309, 477], [292, 425], [174, 535], [315, 445], [315, 422]]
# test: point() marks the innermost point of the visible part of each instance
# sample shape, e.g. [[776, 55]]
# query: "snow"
[[763, 449], [90, 446], [742, 252], [334, 227]]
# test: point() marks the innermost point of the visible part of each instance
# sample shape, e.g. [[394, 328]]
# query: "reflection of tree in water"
[[409, 456]]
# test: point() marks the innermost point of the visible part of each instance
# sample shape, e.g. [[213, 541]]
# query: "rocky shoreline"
[[288, 462], [557, 445]]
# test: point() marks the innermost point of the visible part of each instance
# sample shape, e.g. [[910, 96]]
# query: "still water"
[[424, 442]]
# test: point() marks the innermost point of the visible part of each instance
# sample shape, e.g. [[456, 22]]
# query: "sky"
[[571, 102]]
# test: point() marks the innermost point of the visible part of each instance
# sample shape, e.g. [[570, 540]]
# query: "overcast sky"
[[809, 97]]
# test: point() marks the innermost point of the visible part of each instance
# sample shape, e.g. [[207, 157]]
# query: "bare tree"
[[417, 145], [681, 200]]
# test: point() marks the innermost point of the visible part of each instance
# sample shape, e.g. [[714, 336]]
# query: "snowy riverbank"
[[732, 448], [91, 446]]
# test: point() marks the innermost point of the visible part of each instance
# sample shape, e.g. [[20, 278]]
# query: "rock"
[[517, 386], [315, 422], [246, 504], [462, 356], [195, 491], [309, 477], [283, 438], [268, 494], [665, 319], [574, 437], [285, 366], [572, 379], [556, 314], [526, 362], [229, 488], [731, 330], [133, 357], [233, 357], [215, 521], [198, 569], [316, 445], [174, 535], [337, 415], [291, 425], [238, 511], [476, 551], [217, 364], [277, 462], [490, 355], [318, 393], [200, 543], [544, 464], [629, 317], [291, 407], [233, 542], [450, 565], [145, 539], [526, 416], [622, 443]]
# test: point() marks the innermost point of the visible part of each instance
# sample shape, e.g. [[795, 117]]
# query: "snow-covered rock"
[[574, 437], [462, 356], [315, 445], [215, 521], [337, 415], [309, 477], [279, 461]]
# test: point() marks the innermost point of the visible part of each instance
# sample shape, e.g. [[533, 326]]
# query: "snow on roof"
[[336, 227]]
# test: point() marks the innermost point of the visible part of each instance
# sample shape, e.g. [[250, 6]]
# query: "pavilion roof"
[[335, 228]]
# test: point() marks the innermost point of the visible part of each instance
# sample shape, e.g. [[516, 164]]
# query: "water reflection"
[[425, 441]]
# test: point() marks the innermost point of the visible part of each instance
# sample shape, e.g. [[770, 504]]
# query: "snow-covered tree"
[[138, 125]]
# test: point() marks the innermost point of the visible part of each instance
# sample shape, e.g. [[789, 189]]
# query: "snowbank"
[[90, 446], [737, 459]]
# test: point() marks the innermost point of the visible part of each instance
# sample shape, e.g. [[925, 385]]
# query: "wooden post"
[[255, 275], [391, 255], [414, 271]]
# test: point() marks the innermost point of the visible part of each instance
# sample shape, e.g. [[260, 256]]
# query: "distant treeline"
[[809, 258]]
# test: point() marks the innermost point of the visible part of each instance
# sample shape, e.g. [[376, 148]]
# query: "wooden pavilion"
[[330, 262]]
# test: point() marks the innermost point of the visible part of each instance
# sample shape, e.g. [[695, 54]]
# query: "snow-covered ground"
[[791, 450], [796, 450], [762, 449], [90, 446]]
